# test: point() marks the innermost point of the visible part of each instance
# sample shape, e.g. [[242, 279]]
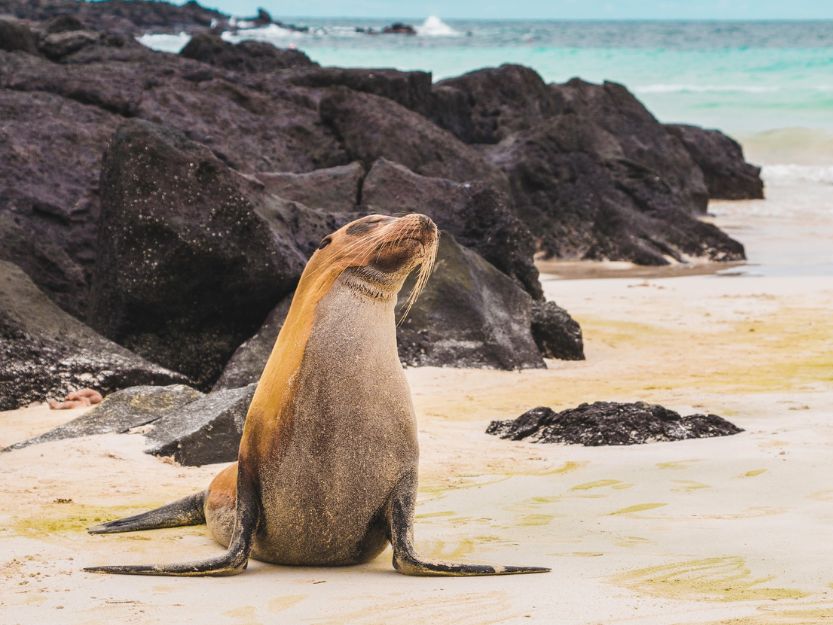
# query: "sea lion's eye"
[[325, 242]]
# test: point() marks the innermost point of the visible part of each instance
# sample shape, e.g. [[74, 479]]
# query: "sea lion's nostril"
[[426, 223]]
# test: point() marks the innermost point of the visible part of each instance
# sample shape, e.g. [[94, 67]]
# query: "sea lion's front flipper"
[[236, 558], [405, 560]]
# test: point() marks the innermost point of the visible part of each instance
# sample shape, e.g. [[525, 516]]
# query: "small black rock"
[[610, 423]]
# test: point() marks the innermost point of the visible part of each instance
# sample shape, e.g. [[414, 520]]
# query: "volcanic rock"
[[205, 431], [120, 412], [372, 127], [334, 189], [610, 423], [572, 182], [469, 315], [410, 89], [246, 56], [191, 257], [728, 176], [247, 363], [479, 216], [556, 333], [44, 352], [487, 105]]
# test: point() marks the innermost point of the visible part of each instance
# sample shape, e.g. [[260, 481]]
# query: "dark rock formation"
[[120, 412], [469, 315], [643, 158], [410, 89], [57, 45], [16, 35], [399, 28], [372, 127], [728, 176], [246, 56], [49, 162], [44, 352], [570, 178], [133, 17], [487, 105], [248, 360], [556, 333], [610, 423], [178, 421], [479, 216], [335, 189], [61, 115], [204, 431], [190, 259]]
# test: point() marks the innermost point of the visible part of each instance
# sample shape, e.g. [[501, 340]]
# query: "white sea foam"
[[164, 42], [798, 173], [270, 33], [683, 88], [433, 26]]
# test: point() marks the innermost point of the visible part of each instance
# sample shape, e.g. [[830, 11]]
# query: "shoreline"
[[713, 531]]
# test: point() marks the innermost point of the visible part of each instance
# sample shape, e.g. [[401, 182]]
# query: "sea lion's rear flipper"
[[405, 560], [234, 561], [185, 511]]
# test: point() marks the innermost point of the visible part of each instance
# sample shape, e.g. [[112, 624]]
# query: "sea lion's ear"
[[325, 242]]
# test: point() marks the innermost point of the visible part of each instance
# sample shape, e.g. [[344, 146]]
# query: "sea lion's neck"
[[365, 282]]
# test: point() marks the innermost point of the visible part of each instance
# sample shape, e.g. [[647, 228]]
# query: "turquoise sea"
[[742, 77]]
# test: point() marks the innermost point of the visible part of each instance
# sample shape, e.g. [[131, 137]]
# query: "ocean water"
[[746, 78], [768, 84]]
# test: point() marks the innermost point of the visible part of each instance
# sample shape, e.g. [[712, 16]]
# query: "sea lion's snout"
[[418, 227]]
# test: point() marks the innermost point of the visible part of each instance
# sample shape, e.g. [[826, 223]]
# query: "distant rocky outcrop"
[[610, 423], [133, 17], [728, 176], [246, 56], [399, 28], [44, 352]]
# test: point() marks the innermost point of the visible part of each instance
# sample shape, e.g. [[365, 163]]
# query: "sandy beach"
[[732, 530]]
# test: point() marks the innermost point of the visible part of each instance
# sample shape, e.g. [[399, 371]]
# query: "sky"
[[536, 9]]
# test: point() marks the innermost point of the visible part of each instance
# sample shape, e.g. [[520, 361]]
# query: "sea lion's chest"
[[352, 433]]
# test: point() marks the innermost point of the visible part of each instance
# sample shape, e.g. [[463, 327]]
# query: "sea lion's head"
[[375, 254]]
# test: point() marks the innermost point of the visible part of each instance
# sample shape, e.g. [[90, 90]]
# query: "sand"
[[733, 530]]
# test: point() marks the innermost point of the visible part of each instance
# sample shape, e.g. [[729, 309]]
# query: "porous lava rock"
[[46, 353], [727, 174], [610, 423]]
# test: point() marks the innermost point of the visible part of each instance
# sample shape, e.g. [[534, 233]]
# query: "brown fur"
[[327, 466], [268, 431]]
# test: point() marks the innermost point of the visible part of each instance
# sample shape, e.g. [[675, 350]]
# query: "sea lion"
[[76, 399], [327, 467]]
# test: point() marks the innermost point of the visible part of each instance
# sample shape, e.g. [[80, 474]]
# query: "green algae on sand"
[[726, 578]]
